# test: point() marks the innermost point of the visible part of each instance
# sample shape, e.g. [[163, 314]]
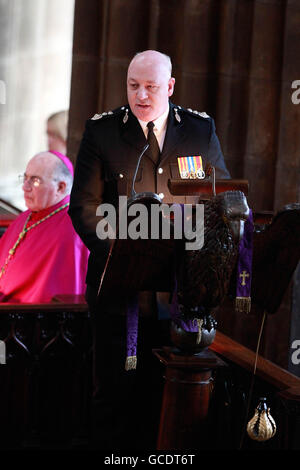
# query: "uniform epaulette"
[[177, 110], [198, 113], [100, 116], [115, 112]]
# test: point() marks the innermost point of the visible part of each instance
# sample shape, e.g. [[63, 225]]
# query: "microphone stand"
[[147, 195]]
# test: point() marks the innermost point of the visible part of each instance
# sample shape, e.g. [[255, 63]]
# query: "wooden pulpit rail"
[[198, 187], [59, 304], [288, 385]]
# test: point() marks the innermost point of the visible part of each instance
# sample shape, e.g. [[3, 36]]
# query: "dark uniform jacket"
[[107, 160]]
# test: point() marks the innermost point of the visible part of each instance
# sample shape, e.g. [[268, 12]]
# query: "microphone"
[[133, 192], [144, 196]]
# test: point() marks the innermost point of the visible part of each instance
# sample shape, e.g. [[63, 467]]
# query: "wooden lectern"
[[141, 265], [189, 378], [206, 188]]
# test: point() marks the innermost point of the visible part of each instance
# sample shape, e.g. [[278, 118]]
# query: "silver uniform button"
[[161, 195], [160, 171], [121, 175]]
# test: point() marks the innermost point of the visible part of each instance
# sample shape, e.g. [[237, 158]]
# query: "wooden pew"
[[45, 391]]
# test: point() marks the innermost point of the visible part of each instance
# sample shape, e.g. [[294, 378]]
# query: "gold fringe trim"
[[243, 304], [130, 362]]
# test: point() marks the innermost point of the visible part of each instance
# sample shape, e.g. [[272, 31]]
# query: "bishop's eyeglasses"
[[31, 180]]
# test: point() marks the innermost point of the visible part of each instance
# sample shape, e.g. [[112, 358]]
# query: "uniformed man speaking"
[[106, 164]]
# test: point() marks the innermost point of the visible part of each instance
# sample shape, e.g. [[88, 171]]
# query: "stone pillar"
[[35, 69]]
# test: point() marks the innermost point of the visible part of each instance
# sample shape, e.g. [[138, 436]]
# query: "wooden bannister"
[[281, 388], [191, 419], [288, 385]]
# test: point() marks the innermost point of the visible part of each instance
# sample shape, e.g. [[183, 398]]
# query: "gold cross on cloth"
[[244, 274]]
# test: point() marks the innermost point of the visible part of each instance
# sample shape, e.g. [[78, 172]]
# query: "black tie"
[[153, 144]]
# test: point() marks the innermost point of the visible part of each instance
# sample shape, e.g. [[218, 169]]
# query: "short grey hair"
[[62, 173]]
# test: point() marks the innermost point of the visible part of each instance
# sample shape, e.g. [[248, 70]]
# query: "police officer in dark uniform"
[[105, 168]]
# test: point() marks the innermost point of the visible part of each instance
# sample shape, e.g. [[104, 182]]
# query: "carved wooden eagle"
[[204, 275]]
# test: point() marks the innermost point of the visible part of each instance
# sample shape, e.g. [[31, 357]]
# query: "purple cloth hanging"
[[244, 268]]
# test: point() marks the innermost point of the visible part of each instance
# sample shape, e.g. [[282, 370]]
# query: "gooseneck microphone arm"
[[133, 192]]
